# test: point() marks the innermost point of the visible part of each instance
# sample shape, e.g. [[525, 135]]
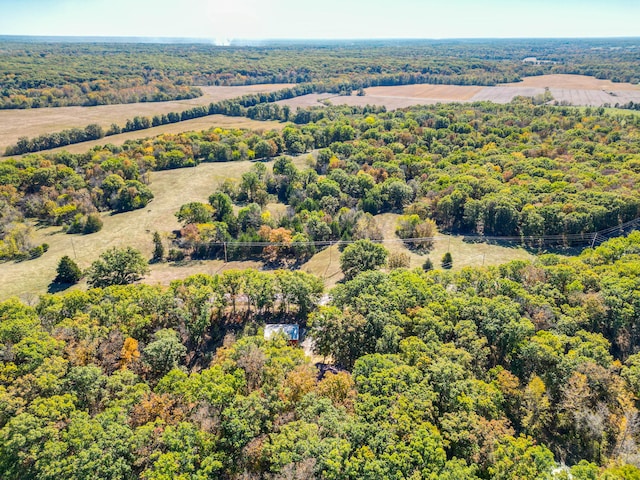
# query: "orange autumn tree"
[[280, 253], [129, 352]]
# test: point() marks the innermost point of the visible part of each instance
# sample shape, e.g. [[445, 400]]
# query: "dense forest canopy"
[[498, 372], [57, 74], [527, 370]]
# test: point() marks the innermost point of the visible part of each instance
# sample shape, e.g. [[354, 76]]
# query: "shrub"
[[399, 260], [36, 252], [92, 224], [175, 255]]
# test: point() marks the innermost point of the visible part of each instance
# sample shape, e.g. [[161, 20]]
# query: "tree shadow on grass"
[[58, 287], [559, 248]]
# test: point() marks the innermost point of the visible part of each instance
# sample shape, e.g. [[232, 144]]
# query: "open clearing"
[[304, 101], [36, 121], [197, 124], [572, 89], [457, 93], [172, 188], [578, 82]]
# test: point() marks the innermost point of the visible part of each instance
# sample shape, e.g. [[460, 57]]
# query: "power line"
[[591, 237]]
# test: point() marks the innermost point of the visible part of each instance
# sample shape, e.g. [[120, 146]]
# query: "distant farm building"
[[290, 330], [536, 61]]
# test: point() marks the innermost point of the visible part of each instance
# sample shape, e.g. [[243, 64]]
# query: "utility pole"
[[225, 252]]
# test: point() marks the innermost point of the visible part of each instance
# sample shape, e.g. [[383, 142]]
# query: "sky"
[[222, 20]]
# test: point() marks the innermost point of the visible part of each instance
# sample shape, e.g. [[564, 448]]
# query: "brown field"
[[594, 98], [456, 93], [33, 122], [171, 188], [572, 82], [572, 89], [196, 124], [304, 101], [502, 94], [392, 97], [464, 254]]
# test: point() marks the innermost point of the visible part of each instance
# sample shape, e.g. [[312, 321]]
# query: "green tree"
[[68, 271], [447, 260], [132, 196], [361, 256], [265, 148], [427, 265], [93, 132], [222, 207], [195, 212], [117, 266], [158, 248], [164, 352], [521, 458]]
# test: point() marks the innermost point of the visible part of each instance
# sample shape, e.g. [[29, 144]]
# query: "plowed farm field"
[[576, 90], [578, 82]]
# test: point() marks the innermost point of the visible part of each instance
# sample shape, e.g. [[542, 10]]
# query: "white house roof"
[[291, 330]]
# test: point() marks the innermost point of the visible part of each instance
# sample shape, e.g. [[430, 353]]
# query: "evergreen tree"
[[427, 265], [158, 248], [68, 271], [447, 260]]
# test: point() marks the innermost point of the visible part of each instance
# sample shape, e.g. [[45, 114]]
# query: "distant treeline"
[[629, 106], [47, 141], [238, 107], [259, 106], [36, 74]]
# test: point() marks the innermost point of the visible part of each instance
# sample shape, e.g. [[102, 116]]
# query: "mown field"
[[203, 123], [578, 90], [578, 82], [172, 188], [33, 122]]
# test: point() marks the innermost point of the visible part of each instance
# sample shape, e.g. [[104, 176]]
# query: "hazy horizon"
[[599, 42], [256, 20]]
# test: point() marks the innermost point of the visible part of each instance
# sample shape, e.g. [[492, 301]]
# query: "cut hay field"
[[578, 90], [305, 101], [454, 93], [326, 264], [578, 82], [172, 188], [33, 122], [197, 124], [502, 94]]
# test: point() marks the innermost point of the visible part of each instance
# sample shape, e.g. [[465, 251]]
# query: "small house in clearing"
[[290, 330]]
